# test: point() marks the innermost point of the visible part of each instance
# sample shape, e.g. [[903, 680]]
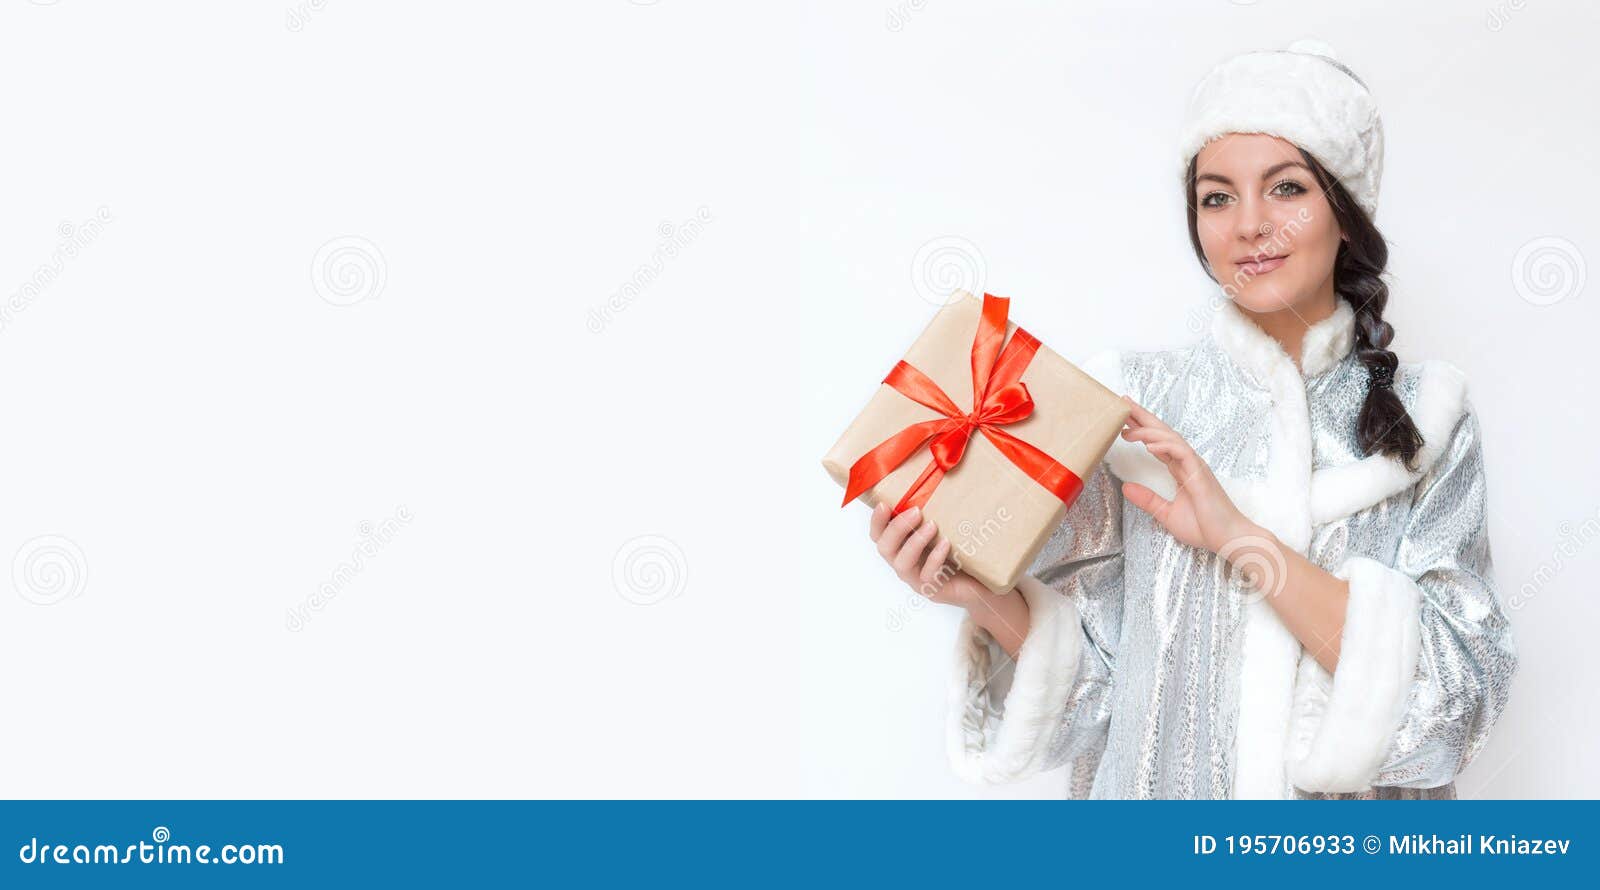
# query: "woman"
[[1299, 602]]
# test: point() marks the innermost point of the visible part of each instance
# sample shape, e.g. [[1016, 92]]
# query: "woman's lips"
[[1253, 267]]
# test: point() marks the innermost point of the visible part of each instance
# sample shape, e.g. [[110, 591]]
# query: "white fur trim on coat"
[[1011, 742], [1280, 503], [1268, 654], [1328, 341], [1336, 492], [1343, 724], [1278, 689]]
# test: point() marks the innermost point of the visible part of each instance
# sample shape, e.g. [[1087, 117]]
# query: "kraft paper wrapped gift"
[[998, 480]]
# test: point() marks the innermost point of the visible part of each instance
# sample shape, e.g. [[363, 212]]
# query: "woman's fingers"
[[1147, 434], [1180, 459], [894, 534], [934, 564], [907, 561], [1145, 499], [1167, 452], [1143, 417], [1165, 448], [879, 520], [903, 540], [1165, 444], [911, 544], [1185, 466]]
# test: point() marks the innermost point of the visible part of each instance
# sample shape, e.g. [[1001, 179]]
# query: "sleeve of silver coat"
[[1426, 656], [1008, 721]]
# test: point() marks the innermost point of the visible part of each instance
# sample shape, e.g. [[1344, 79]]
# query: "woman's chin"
[[1263, 299]]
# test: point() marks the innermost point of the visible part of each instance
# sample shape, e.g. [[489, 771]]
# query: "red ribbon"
[[999, 397]]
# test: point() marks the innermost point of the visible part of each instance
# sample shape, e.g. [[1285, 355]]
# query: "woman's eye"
[[1288, 189], [1214, 199]]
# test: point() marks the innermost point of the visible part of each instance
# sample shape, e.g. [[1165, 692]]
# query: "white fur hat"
[[1302, 94]]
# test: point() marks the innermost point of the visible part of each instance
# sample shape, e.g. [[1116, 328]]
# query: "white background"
[[200, 418]]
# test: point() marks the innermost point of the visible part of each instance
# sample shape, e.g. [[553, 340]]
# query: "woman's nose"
[[1249, 222]]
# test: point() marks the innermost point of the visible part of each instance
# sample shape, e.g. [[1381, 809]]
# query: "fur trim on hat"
[[1302, 94]]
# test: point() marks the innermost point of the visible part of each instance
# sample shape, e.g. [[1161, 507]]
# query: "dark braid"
[[1383, 426]]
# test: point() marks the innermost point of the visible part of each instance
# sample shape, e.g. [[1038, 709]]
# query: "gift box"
[[987, 430]]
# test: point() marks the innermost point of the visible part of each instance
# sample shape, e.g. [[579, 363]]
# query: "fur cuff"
[[1011, 742], [1344, 723]]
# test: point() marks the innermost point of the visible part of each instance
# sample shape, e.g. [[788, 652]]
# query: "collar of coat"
[[1276, 684], [1435, 405], [1263, 360]]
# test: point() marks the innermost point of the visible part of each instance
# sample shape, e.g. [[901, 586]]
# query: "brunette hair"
[[1383, 426]]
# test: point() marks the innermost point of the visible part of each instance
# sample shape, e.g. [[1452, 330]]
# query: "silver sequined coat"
[[1150, 671]]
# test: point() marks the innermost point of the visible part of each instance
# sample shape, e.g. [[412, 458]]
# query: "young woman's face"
[[1265, 226]]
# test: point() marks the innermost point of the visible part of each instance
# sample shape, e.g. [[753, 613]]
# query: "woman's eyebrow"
[[1264, 174], [1276, 167]]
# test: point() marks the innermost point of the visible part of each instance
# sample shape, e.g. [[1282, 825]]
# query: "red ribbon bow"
[[999, 397]]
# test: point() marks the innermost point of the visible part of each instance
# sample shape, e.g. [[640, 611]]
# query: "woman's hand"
[[904, 542], [912, 547], [1201, 514], [1309, 600]]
